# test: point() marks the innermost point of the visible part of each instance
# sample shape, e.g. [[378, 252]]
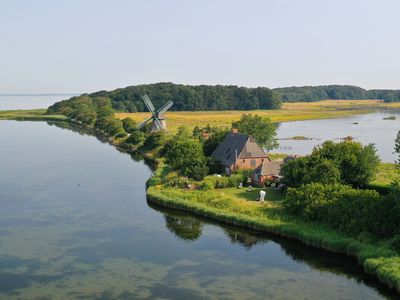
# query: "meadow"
[[289, 112]]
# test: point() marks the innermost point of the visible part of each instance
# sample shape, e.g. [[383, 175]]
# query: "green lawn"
[[243, 194], [386, 174]]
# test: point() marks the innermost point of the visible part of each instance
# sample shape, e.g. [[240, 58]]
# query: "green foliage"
[[214, 139], [338, 92], [154, 140], [137, 137], [110, 126], [216, 182], [357, 163], [185, 155], [350, 210], [129, 125], [261, 128], [397, 147], [345, 162], [189, 98], [308, 169]]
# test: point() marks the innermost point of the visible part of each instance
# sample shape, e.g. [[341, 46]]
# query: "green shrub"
[[350, 210]]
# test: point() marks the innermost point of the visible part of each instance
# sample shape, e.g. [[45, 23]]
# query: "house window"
[[256, 177], [227, 150], [253, 162], [262, 159], [243, 160]]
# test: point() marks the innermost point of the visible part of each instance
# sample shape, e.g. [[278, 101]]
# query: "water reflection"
[[190, 228]]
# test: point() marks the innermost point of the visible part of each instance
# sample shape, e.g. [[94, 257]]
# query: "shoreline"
[[282, 231]]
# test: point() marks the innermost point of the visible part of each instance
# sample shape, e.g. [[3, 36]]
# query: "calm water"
[[29, 101], [369, 128], [75, 224]]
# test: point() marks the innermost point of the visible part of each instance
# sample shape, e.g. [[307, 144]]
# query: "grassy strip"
[[289, 112], [376, 257], [30, 115]]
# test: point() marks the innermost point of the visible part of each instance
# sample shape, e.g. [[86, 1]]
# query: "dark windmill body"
[[157, 115]]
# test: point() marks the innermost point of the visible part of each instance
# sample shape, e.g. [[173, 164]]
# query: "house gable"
[[238, 146]]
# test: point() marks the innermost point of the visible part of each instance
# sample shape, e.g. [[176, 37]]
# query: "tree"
[[136, 138], [260, 128], [154, 140], [309, 169], [130, 125], [214, 140], [348, 163], [357, 163], [185, 155], [110, 126]]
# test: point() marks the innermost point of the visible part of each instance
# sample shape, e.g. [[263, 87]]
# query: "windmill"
[[157, 116]]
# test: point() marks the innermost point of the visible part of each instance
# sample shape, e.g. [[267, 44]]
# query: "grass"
[[289, 112], [236, 206], [386, 174], [30, 115]]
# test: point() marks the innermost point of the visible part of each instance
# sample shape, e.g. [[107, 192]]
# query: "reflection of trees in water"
[[243, 237], [184, 227], [87, 131], [189, 228]]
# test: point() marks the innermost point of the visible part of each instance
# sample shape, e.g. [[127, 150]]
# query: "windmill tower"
[[157, 116]]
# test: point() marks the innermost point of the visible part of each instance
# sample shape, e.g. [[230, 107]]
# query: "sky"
[[77, 46]]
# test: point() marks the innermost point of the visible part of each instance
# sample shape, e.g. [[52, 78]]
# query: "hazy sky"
[[88, 45]]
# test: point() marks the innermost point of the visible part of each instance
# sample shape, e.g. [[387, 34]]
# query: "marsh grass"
[[30, 115], [289, 112]]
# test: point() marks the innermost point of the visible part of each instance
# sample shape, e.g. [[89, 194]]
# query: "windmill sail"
[[165, 107], [148, 103], [158, 120]]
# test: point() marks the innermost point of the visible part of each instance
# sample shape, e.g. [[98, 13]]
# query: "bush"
[[136, 138], [350, 210], [185, 155], [216, 182], [154, 140], [346, 162]]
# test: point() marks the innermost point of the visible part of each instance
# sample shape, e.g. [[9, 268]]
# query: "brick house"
[[268, 170], [239, 152]]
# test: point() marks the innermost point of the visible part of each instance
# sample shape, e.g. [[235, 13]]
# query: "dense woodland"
[[192, 98], [222, 97], [333, 92]]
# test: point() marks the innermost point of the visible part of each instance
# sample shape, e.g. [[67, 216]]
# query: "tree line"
[[192, 98], [335, 92]]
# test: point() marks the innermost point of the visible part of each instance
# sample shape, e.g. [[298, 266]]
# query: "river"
[[75, 224], [378, 128]]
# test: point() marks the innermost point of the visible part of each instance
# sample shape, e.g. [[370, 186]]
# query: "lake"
[[75, 224], [366, 128]]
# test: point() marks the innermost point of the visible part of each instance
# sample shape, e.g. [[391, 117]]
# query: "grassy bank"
[[30, 115], [235, 207], [289, 112]]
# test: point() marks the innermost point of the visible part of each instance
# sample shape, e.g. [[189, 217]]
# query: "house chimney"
[[234, 130]]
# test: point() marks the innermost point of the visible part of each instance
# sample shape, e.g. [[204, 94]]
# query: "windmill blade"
[[165, 107], [144, 122], [158, 123], [148, 103]]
